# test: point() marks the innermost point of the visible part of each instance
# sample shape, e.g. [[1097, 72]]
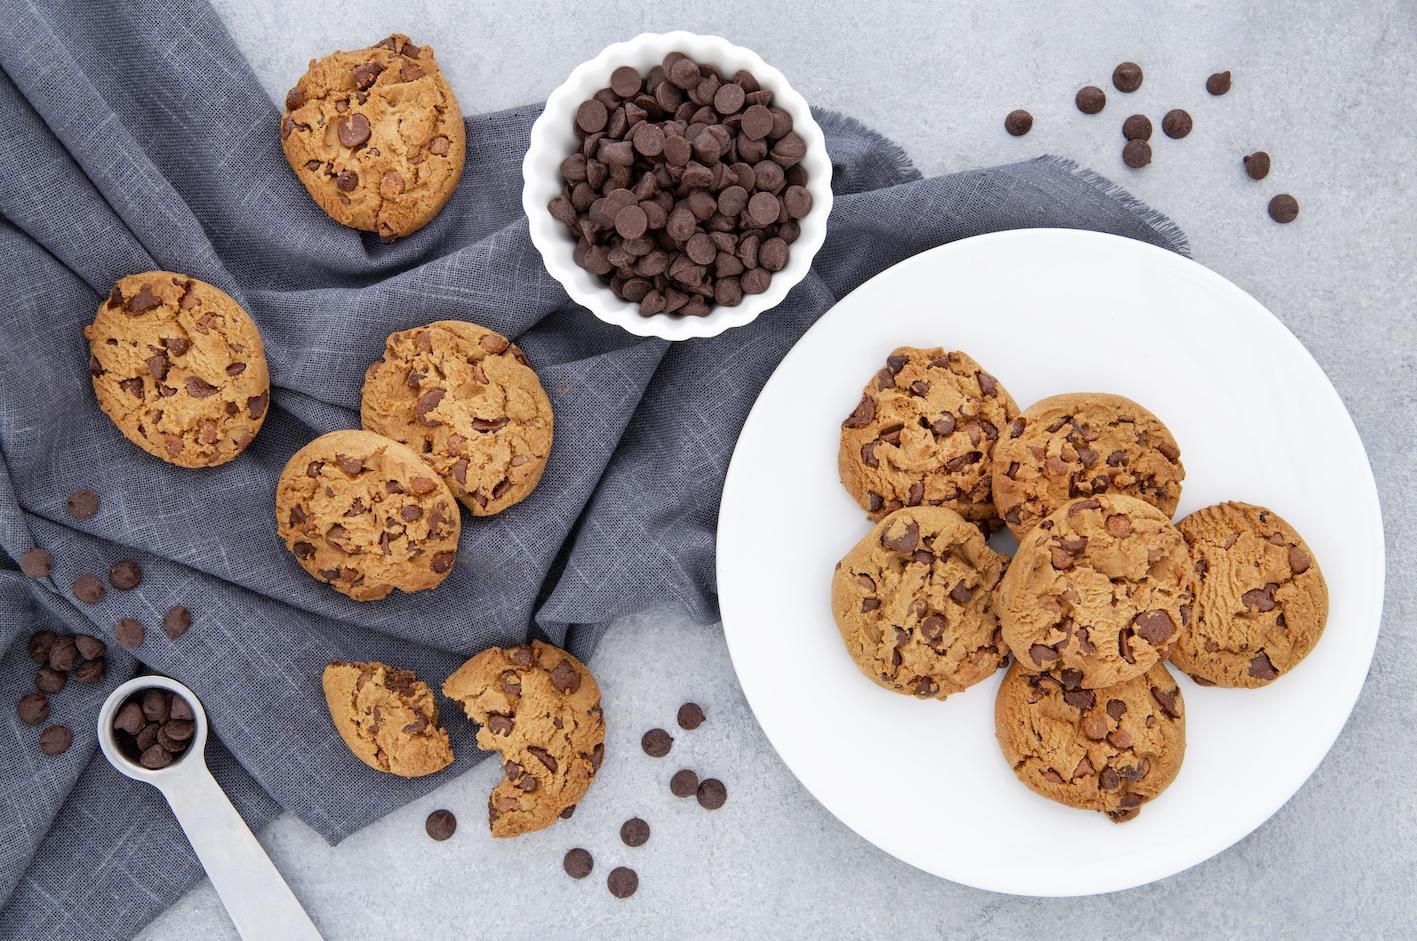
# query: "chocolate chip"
[[1167, 700], [685, 783], [1137, 127], [199, 388], [1176, 124], [1298, 560], [902, 540], [863, 414], [50, 680], [155, 757], [129, 718], [90, 671], [635, 832], [82, 504], [1136, 154], [125, 575], [440, 825], [1090, 99], [1127, 77], [40, 643], [1262, 667], [1257, 165], [567, 813], [712, 794], [656, 743], [33, 708], [89, 589], [36, 562], [176, 621], [1154, 626], [622, 882], [1018, 122], [142, 302], [565, 677], [690, 716], [578, 863], [1284, 208], [352, 129], [55, 740], [1116, 708], [1218, 83]]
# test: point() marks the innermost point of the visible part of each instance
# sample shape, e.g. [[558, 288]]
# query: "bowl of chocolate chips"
[[676, 185]]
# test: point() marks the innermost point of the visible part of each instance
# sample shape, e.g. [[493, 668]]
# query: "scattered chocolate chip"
[[1284, 208], [89, 589], [656, 743], [1127, 77], [55, 740], [125, 575], [1090, 99], [1176, 124], [176, 621], [40, 643], [440, 824], [1218, 83], [82, 504], [36, 562], [130, 633], [63, 653], [578, 863], [1257, 165], [90, 648], [90, 671], [50, 680], [691, 716], [685, 783], [622, 882], [635, 832], [33, 708], [1018, 122], [1136, 154], [1137, 127], [712, 794]]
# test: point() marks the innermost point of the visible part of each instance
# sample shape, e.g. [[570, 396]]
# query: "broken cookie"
[[387, 717]]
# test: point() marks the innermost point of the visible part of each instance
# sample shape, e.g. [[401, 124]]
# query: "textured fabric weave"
[[135, 137]]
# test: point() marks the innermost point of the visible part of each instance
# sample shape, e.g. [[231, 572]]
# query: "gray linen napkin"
[[135, 137]]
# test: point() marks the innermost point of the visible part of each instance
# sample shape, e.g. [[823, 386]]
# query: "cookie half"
[[539, 708], [923, 434], [1261, 601], [364, 514], [376, 136], [1098, 592], [387, 717], [1081, 445], [468, 402], [914, 602], [179, 367], [1109, 750]]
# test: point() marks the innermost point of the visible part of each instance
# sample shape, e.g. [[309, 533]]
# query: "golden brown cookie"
[[1098, 592], [539, 708], [366, 515], [1109, 750], [1080, 445], [468, 402], [922, 434], [179, 367], [376, 136], [914, 601], [1261, 601], [387, 717]]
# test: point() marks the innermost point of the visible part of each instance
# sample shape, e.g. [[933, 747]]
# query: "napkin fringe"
[[882, 147], [1153, 219]]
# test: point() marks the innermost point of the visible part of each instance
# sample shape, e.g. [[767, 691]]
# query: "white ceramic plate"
[[1046, 311]]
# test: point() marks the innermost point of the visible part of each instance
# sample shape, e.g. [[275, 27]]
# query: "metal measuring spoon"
[[256, 897]]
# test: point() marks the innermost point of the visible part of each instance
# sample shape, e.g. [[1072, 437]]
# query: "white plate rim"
[[1364, 497]]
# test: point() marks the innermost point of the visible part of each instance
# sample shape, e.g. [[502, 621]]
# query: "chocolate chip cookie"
[[1109, 750], [387, 717], [1098, 592], [465, 399], [1261, 601], [1080, 445], [364, 514], [179, 367], [376, 136], [914, 601], [923, 433], [539, 708]]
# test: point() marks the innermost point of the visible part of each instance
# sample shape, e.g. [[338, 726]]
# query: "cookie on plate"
[[539, 708], [376, 136], [1109, 750], [914, 601], [465, 399], [922, 435], [179, 367], [1080, 445], [1098, 592], [387, 717], [364, 514], [1261, 601]]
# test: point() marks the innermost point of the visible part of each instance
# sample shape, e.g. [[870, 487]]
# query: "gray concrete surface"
[[1327, 90]]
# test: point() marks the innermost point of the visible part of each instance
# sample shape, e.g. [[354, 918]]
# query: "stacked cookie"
[[1102, 590], [452, 412]]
